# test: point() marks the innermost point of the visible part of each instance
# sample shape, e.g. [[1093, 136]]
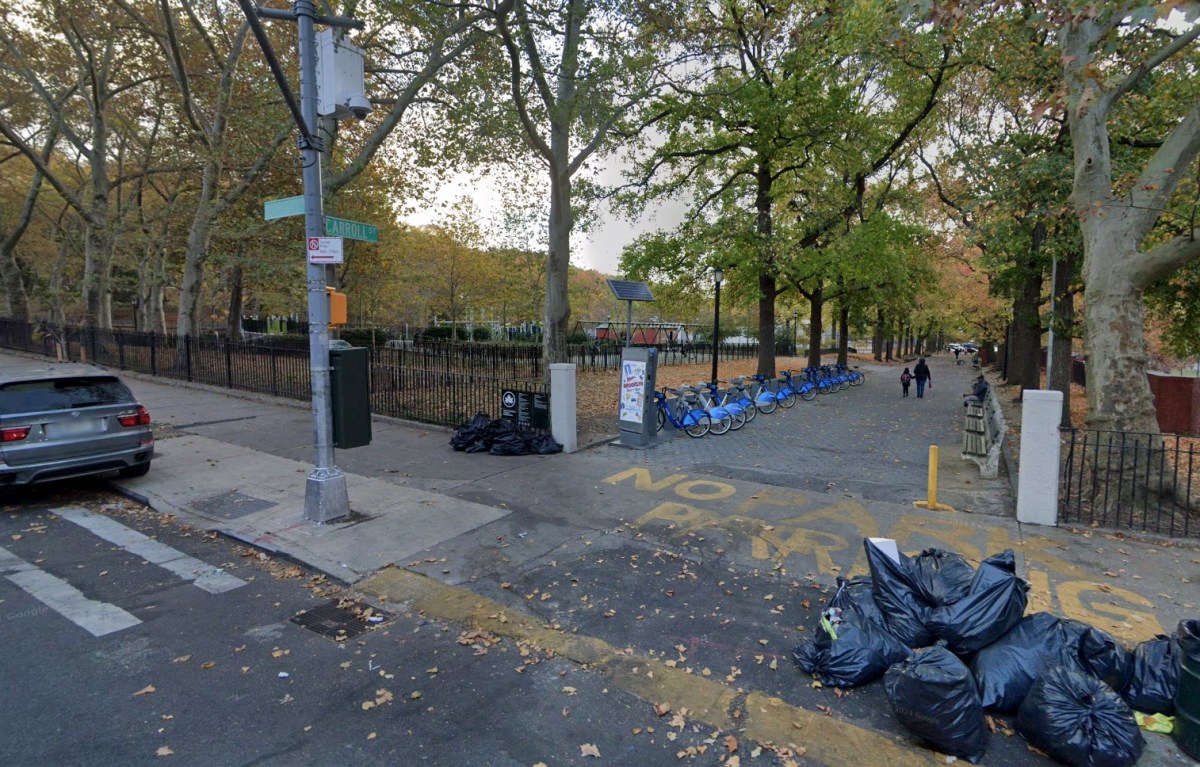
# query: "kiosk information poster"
[[635, 411]]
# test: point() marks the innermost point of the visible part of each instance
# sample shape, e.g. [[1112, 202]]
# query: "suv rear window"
[[62, 394]]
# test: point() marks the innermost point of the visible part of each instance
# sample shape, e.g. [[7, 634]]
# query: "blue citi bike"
[[685, 413]]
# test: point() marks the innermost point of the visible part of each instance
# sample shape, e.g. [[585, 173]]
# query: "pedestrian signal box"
[[337, 307]]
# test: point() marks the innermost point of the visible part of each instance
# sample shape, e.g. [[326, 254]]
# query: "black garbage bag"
[[942, 577], [471, 432], [1154, 676], [1080, 721], [543, 444], [852, 646], [1102, 656], [857, 655], [993, 605], [934, 695], [1007, 668], [898, 597], [511, 442]]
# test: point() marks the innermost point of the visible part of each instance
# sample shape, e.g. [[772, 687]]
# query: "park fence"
[[435, 384], [1127, 480]]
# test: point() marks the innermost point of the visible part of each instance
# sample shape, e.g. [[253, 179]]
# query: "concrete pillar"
[[1040, 460], [562, 406]]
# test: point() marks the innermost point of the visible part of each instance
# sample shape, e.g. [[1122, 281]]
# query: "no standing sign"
[[324, 250]]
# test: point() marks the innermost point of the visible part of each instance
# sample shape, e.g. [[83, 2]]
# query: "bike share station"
[[636, 409]]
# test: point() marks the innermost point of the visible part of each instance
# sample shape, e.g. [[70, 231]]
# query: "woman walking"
[[921, 373]]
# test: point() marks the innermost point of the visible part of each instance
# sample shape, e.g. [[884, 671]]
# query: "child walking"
[[905, 380]]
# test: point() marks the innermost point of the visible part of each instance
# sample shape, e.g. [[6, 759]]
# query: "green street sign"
[[288, 206], [351, 230]]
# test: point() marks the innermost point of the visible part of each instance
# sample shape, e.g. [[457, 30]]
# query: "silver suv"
[[69, 420]]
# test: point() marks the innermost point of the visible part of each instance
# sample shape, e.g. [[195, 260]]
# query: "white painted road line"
[[97, 618], [214, 580]]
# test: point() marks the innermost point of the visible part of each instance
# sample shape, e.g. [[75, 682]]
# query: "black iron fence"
[[437, 383], [1144, 482]]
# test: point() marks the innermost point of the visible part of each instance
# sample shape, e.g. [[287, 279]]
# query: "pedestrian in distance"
[[905, 380], [924, 379], [957, 352]]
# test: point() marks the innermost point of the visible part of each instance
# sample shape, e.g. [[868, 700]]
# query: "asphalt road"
[[111, 658]]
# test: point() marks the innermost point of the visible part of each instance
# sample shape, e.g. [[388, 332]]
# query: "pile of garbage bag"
[[500, 437], [1073, 687]]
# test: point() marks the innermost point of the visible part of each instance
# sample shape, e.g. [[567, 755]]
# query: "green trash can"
[[1187, 695]]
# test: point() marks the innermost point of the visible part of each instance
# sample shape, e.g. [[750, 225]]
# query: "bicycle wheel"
[[739, 420], [808, 392], [789, 398], [662, 419], [857, 379], [751, 411], [843, 383], [766, 404], [825, 386], [696, 425], [719, 425]]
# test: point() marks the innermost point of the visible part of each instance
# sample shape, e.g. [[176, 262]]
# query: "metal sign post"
[[325, 496]]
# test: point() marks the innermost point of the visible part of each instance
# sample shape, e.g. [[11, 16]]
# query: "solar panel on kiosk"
[[628, 290]]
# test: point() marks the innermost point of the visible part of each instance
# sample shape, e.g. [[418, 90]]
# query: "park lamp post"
[[718, 277]]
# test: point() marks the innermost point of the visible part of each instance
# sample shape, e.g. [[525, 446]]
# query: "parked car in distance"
[[338, 343], [62, 420]]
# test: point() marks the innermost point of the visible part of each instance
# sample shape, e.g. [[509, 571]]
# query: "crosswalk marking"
[[97, 618], [211, 579]]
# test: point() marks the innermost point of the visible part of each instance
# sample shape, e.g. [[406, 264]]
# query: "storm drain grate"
[[342, 619], [231, 505]]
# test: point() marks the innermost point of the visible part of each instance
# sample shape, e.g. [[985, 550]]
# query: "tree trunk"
[[843, 356], [816, 306], [766, 325], [197, 252], [233, 323], [1025, 352], [1064, 330], [558, 258], [877, 339]]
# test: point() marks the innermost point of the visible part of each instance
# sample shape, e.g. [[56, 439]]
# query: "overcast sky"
[[599, 249]]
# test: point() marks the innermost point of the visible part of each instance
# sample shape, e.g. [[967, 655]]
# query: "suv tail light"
[[139, 418], [14, 434]]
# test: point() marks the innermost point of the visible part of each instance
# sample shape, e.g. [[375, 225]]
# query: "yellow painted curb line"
[[764, 719]]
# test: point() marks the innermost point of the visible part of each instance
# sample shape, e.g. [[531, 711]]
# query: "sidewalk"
[[615, 558]]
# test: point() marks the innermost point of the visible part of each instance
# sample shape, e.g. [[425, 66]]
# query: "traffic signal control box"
[[350, 395]]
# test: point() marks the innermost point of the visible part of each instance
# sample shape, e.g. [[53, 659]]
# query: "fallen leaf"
[[145, 690], [662, 709], [731, 744], [164, 751], [206, 665], [569, 690], [589, 749], [182, 659], [371, 736]]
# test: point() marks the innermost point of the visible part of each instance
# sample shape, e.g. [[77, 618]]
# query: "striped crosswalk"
[[101, 618]]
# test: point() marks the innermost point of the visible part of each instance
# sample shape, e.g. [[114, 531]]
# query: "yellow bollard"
[[932, 502]]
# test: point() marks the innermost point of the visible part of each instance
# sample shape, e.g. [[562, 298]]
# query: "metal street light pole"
[[718, 277], [325, 496]]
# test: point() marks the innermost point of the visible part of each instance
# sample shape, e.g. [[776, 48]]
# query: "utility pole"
[[325, 495]]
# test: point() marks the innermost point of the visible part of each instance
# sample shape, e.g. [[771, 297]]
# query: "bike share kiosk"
[[636, 410]]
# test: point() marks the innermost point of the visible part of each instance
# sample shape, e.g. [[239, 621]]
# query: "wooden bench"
[[983, 434]]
